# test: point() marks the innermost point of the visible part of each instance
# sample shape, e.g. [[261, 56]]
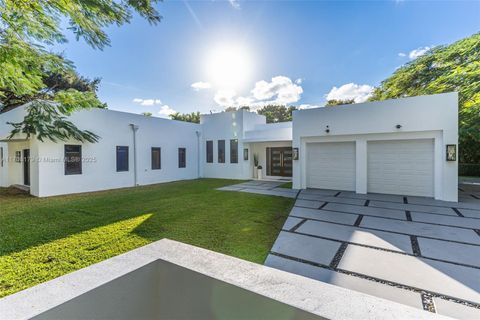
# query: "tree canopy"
[[30, 73], [187, 117], [455, 67], [335, 102], [277, 113]]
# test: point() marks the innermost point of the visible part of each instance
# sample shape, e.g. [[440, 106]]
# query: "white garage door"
[[401, 167], [331, 165]]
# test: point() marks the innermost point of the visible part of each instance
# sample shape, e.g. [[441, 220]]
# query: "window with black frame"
[[182, 157], [156, 158], [73, 159], [122, 158], [210, 151], [221, 151], [234, 151]]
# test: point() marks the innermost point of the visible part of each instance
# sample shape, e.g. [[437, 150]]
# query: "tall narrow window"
[[234, 151], [182, 157], [1, 156], [210, 151], [156, 159], [122, 158], [221, 151], [73, 159]]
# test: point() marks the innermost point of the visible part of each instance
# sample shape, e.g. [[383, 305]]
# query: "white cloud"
[[280, 90], [359, 93], [299, 81], [165, 111], [414, 54], [200, 85], [225, 98], [147, 102], [234, 3], [401, 54]]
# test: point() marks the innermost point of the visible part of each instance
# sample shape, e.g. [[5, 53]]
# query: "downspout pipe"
[[198, 152], [134, 128]]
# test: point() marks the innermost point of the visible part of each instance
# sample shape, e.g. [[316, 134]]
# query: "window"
[[122, 158], [156, 159], [210, 151], [73, 159], [1, 156], [182, 157], [234, 151], [221, 151]]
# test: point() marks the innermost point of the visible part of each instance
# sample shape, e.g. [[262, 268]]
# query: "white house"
[[394, 146]]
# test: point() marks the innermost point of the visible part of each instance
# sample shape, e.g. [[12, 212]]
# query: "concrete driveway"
[[417, 251]]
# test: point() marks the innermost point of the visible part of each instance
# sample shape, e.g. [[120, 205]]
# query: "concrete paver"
[[450, 251], [439, 277], [308, 203], [456, 310], [422, 229], [331, 216], [413, 207], [359, 202], [385, 240], [447, 220], [407, 297], [371, 196], [304, 247], [470, 213], [291, 222], [378, 212]]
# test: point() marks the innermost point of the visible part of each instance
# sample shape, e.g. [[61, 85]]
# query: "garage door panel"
[[401, 167], [331, 165]]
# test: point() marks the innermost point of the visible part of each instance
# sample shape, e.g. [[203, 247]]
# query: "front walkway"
[[271, 188], [417, 251]]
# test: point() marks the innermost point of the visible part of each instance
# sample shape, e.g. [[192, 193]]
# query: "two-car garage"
[[403, 167]]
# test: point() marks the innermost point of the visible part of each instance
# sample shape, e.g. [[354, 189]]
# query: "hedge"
[[469, 169]]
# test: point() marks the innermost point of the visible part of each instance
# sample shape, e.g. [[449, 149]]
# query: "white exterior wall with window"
[[228, 126], [422, 120], [99, 159]]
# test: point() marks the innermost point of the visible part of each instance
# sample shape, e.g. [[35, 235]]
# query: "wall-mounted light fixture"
[[245, 154], [295, 154], [18, 156], [328, 129], [451, 152], [398, 126]]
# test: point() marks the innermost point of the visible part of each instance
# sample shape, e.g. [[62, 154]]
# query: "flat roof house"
[[394, 146]]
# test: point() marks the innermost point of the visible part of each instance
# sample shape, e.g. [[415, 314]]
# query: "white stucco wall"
[[99, 171], [227, 126], [434, 116]]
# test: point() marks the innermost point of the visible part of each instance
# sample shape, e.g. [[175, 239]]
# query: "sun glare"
[[229, 66]]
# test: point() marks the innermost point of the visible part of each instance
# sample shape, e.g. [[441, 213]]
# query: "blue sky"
[[255, 52]]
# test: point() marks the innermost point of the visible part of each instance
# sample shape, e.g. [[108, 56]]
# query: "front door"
[[26, 167], [280, 163]]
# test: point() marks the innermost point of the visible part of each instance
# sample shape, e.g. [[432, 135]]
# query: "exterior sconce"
[[18, 156], [245, 154], [295, 154], [328, 129], [398, 126], [451, 152]]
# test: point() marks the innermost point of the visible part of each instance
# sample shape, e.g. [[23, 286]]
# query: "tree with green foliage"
[[30, 73], [277, 113], [187, 117], [147, 114], [335, 102], [455, 67]]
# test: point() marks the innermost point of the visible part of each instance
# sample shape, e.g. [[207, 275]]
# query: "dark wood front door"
[[280, 161], [26, 167]]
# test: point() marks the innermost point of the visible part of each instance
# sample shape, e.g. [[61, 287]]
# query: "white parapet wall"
[[172, 280]]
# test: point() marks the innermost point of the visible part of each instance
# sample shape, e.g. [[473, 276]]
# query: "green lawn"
[[287, 185], [43, 238]]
